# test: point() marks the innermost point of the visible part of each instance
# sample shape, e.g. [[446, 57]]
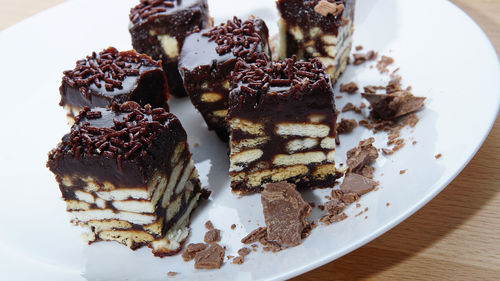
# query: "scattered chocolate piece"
[[255, 235], [329, 219], [367, 171], [233, 226], [414, 142], [321, 207], [393, 105], [387, 204], [362, 155], [209, 258], [350, 197], [358, 205], [360, 58], [192, 249], [357, 184], [244, 251], [172, 273], [351, 107], [326, 8], [387, 151], [285, 213], [383, 63], [337, 194], [335, 206], [312, 204], [346, 126], [238, 260], [349, 88], [212, 236], [209, 225], [438, 156], [358, 48]]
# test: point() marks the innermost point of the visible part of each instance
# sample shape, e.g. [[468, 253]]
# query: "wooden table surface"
[[454, 237]]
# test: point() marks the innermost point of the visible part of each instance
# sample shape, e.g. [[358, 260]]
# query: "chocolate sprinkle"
[[107, 69], [148, 8]]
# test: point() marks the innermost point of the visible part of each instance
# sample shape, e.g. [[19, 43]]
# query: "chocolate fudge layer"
[[282, 117], [317, 28], [207, 60], [127, 175], [158, 28], [113, 76]]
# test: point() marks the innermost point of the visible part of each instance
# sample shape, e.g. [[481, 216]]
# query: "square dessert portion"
[[158, 28], [113, 76], [282, 117], [207, 60], [126, 173], [317, 28]]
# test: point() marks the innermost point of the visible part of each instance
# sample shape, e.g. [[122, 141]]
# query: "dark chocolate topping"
[[147, 9], [302, 13], [241, 38], [121, 132], [110, 68]]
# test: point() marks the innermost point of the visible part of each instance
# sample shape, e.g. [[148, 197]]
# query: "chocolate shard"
[[335, 206], [362, 155], [212, 235], [210, 258], [346, 126], [357, 184], [192, 249], [255, 235], [393, 105], [285, 213]]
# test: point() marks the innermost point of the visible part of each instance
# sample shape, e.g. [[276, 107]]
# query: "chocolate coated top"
[[149, 9]]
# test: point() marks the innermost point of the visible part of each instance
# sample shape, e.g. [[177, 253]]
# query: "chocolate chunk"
[[210, 258], [390, 106], [346, 126], [349, 88], [361, 156], [285, 213], [233, 226], [243, 251], [335, 206], [212, 235], [357, 184], [192, 249], [325, 8], [255, 235], [358, 48], [238, 260], [351, 107]]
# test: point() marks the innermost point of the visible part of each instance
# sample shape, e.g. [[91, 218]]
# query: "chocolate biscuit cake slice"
[[317, 29], [207, 60], [159, 27], [113, 76], [126, 174], [282, 117]]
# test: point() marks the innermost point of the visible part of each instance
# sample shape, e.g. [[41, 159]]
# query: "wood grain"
[[454, 237]]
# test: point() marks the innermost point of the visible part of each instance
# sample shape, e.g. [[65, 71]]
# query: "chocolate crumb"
[[325, 8], [366, 217], [209, 225], [233, 226], [350, 197], [172, 273], [230, 257], [383, 63], [254, 245], [212, 236], [338, 97], [351, 107], [321, 207], [349, 88], [238, 260], [192, 249], [209, 258], [414, 142], [312, 204], [362, 155], [244, 251], [358, 205], [335, 207], [438, 156], [285, 213], [393, 105], [346, 126], [329, 219], [360, 58], [196, 144], [255, 235], [358, 48], [387, 204], [337, 194], [402, 171]]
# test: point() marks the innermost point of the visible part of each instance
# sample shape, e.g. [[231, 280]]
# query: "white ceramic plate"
[[441, 52]]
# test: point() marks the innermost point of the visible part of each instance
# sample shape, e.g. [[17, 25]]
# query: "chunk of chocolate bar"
[[127, 175], [285, 213], [207, 60], [282, 117], [159, 27], [113, 76], [317, 28]]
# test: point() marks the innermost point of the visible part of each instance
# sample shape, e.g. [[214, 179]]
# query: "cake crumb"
[[172, 273], [349, 88], [403, 171], [233, 226], [439, 155]]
